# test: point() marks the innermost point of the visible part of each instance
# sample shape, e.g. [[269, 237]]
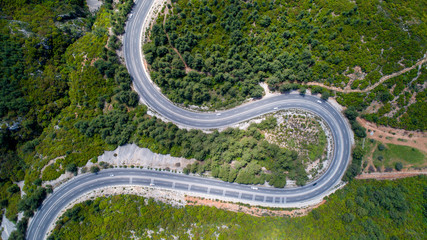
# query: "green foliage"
[[398, 166], [355, 167], [407, 114], [94, 169], [13, 189], [362, 210], [33, 201], [72, 168], [393, 154], [351, 114], [279, 43]]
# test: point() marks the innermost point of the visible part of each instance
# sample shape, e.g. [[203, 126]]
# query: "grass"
[[408, 156]]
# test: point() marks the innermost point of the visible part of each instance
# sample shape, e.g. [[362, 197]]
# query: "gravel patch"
[[131, 154], [93, 5]]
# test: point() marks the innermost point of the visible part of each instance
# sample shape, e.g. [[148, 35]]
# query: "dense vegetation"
[[227, 47], [362, 210], [33, 84], [47, 48], [66, 98], [79, 104]]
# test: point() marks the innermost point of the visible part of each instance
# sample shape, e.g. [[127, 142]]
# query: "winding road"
[[151, 96]]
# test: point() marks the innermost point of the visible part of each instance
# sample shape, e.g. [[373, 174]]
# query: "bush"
[[398, 166], [348, 217], [94, 169], [49, 188], [38, 182], [72, 168], [13, 189], [325, 95], [381, 147]]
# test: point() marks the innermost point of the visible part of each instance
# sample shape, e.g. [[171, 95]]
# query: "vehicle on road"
[[218, 114], [254, 188], [319, 101], [111, 175], [275, 108], [314, 184], [151, 184]]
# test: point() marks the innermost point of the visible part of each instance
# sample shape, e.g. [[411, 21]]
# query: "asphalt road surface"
[[151, 96]]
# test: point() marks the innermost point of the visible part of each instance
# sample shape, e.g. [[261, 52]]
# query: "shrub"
[[398, 166], [72, 168], [13, 189], [94, 169]]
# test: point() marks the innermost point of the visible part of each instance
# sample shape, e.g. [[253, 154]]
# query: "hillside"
[[215, 53], [66, 96], [363, 210]]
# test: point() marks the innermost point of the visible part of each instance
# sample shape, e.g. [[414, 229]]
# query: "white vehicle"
[[218, 114], [319, 101], [254, 188], [111, 175], [275, 108], [151, 184]]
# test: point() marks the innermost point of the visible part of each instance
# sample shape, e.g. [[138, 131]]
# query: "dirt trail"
[[254, 211], [187, 68], [391, 175], [382, 79], [384, 134]]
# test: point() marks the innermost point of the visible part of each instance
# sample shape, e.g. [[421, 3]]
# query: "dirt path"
[[384, 134], [382, 79], [369, 158], [187, 68], [391, 175], [254, 211]]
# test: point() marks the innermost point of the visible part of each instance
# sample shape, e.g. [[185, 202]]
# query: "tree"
[[278, 180], [351, 113], [325, 95], [38, 182], [398, 166], [348, 217], [285, 88], [265, 21], [72, 168], [49, 188], [302, 90], [13, 189], [94, 169]]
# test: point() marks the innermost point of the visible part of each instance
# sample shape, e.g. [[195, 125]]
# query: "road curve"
[[76, 187]]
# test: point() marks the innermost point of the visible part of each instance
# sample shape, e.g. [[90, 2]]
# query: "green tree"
[[72, 168], [94, 169], [398, 166]]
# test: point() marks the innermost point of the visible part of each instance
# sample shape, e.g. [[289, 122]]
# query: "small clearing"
[[390, 175], [415, 139], [93, 5]]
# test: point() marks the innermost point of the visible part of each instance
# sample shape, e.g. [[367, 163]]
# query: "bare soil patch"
[[415, 139], [254, 211], [391, 175]]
